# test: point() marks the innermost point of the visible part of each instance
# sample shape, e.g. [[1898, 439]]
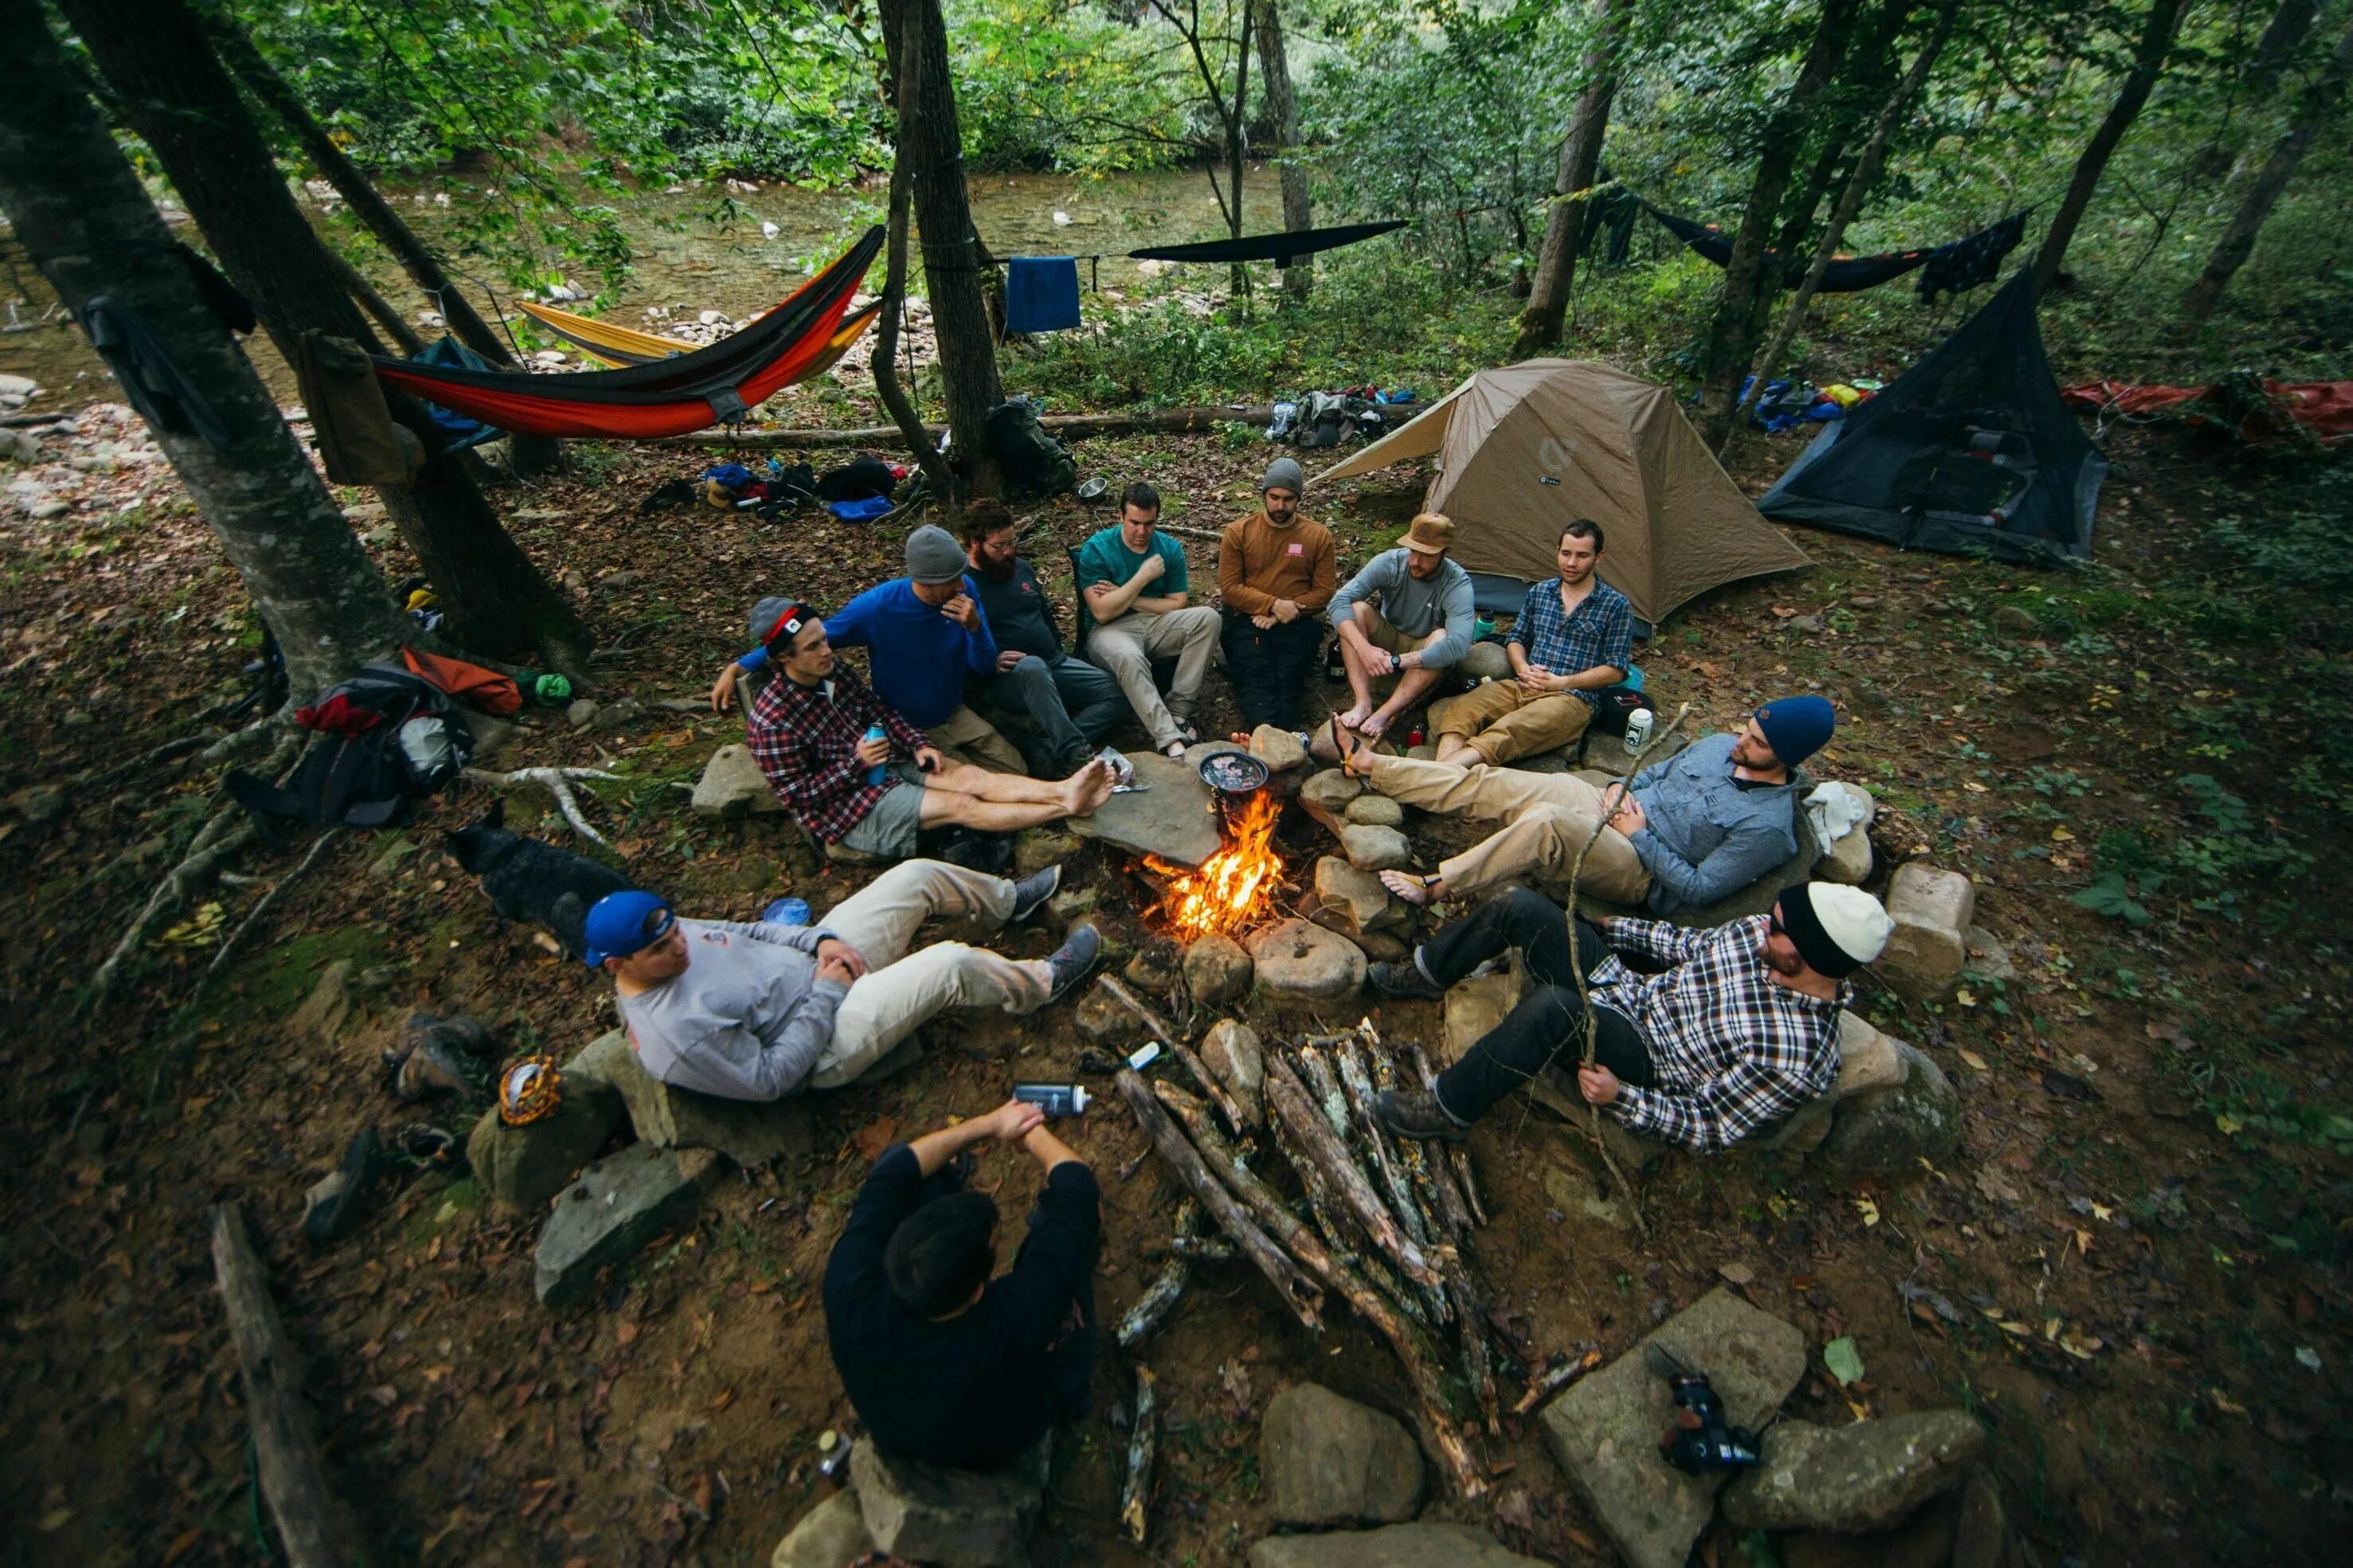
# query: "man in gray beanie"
[[1275, 575]]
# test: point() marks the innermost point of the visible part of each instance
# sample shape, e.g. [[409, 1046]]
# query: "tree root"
[[261, 906], [559, 783], [223, 835]]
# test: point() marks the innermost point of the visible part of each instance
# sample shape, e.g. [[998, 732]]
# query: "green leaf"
[[1844, 1361]]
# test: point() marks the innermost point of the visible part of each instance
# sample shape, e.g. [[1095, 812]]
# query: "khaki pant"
[[1127, 647], [1549, 818], [900, 991], [1502, 720], [965, 736]]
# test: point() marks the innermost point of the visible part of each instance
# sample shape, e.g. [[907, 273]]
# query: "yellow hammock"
[[620, 346]]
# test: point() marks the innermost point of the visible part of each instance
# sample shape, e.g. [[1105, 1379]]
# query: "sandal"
[[1344, 741], [1414, 890]]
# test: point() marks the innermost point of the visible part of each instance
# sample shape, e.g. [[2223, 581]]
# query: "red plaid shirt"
[[805, 741]]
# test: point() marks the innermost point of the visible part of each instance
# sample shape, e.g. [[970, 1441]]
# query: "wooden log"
[[1323, 1084], [312, 1527], [1553, 1382], [1312, 1140], [1143, 1449], [1298, 1292], [1159, 1298], [1357, 1084], [1186, 1057], [1458, 1158], [1166, 421]]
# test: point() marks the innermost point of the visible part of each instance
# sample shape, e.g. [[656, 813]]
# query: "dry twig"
[[558, 781]]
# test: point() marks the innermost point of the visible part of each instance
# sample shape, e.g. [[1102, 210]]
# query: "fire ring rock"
[[1302, 965]]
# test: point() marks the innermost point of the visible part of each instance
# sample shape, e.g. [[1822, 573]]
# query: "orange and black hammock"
[[717, 385]]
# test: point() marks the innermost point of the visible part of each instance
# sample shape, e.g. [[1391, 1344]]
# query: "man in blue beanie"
[[1695, 827]]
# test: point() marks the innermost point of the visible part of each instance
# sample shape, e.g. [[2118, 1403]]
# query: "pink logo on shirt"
[[1294, 549]]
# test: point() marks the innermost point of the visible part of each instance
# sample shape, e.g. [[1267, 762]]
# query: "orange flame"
[[1233, 887]]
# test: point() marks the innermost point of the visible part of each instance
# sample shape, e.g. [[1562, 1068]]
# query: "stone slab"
[[830, 1535], [1326, 796], [750, 1133], [1350, 901], [1231, 1049], [1866, 1476], [1929, 947], [526, 1167], [1395, 1546], [955, 1518], [1175, 816], [1302, 965], [1216, 971], [1278, 748], [733, 785], [1376, 849], [1327, 1460], [619, 1205], [1375, 812], [1891, 1130]]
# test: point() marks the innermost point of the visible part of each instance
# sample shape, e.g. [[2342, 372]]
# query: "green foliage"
[[1042, 84]]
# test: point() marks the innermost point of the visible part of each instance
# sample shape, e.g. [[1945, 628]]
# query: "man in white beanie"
[[1740, 1031]]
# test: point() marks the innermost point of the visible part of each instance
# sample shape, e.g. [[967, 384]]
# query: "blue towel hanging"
[[1042, 293]]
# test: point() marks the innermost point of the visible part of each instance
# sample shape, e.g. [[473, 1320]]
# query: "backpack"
[[1035, 462], [380, 740]]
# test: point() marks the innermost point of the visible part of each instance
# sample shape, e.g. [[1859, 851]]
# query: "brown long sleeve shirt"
[[1258, 563]]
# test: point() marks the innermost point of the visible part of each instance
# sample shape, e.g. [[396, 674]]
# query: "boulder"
[[1375, 812], [1607, 754], [1216, 971], [1350, 901], [1867, 1476], [1375, 848], [526, 1167], [1073, 903], [830, 1535], [1924, 1540], [1989, 957], [1929, 947], [1605, 1430], [1893, 1130], [581, 713], [621, 1204], [1397, 1546], [1230, 1050], [1980, 1535], [1278, 748], [1327, 1460], [1157, 965], [733, 785], [1173, 818], [1305, 966], [1485, 662], [1383, 947], [1848, 859], [956, 1519], [1106, 1022], [1326, 796], [1035, 849], [751, 1133], [491, 735], [1868, 1060], [1474, 1006]]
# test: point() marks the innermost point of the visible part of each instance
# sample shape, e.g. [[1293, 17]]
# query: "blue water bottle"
[[876, 774]]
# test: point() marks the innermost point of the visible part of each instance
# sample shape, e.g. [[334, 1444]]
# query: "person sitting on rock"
[[925, 635], [1574, 638], [1739, 1032], [1117, 569], [944, 1364], [759, 1010], [1408, 614], [810, 731], [1687, 832], [1276, 573], [1075, 706]]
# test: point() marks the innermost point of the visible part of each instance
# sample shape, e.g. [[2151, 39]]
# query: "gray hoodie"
[[1709, 834], [748, 1019]]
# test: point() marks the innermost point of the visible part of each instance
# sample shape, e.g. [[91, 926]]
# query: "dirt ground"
[[2144, 1302]]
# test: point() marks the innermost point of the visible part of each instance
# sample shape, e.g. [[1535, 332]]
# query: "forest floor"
[[2131, 1268]]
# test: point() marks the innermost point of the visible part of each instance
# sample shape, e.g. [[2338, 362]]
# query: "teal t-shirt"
[[1105, 558]]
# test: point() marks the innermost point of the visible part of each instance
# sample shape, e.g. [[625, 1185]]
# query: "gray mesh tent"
[[1968, 449]]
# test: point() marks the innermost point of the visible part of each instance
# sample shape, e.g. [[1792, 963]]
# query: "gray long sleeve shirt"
[[1708, 834], [1413, 606], [748, 1019]]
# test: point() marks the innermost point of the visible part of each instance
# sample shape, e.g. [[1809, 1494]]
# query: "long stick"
[[558, 781], [1070, 426], [1458, 1158], [1553, 1382], [1152, 1307], [1142, 1448], [1190, 1059], [1312, 1136], [228, 943]]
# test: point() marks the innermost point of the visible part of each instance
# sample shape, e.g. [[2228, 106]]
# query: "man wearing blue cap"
[[758, 1009], [1693, 829]]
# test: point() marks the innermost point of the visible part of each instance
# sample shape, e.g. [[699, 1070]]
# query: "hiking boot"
[[428, 1145], [468, 1037], [1404, 981], [334, 1205], [1413, 1113], [430, 1069], [1073, 958], [1032, 891]]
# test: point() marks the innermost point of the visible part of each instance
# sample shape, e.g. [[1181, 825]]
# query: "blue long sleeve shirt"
[[1708, 834], [919, 657]]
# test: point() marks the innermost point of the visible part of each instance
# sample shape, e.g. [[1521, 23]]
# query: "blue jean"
[[1074, 705]]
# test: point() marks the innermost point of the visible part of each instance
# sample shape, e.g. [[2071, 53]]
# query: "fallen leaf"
[[54, 1520], [186, 1542], [1973, 1060], [2062, 836], [1736, 1273], [1868, 1210], [1965, 997], [2227, 1127], [2083, 1243], [876, 1135], [624, 1333], [1843, 1360]]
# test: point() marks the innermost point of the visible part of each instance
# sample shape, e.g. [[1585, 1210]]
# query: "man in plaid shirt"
[[1739, 1031], [807, 730], [1574, 638]]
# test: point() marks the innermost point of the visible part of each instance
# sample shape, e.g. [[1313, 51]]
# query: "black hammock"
[[1278, 248], [1965, 262]]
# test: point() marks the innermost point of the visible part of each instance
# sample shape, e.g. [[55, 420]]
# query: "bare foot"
[[1088, 788], [1372, 726], [1417, 891], [1354, 718]]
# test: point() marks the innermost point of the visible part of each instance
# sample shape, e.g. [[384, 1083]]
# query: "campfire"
[[1233, 887]]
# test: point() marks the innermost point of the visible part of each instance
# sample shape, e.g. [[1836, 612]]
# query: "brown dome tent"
[[1526, 448]]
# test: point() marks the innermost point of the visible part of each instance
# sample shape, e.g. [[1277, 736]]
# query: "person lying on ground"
[[810, 731], [1574, 638], [1118, 570], [1075, 706], [925, 635], [944, 1365], [759, 1010], [1276, 573], [1738, 1032], [1695, 827], [1408, 614]]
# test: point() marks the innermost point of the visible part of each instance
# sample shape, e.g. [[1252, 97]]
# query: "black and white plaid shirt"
[[1730, 1049]]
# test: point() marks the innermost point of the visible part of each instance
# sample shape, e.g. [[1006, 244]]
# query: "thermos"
[[1055, 1099], [875, 774]]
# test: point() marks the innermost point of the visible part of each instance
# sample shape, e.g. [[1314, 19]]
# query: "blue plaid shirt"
[[1600, 631]]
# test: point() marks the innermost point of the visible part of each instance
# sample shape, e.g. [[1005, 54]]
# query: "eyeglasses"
[[656, 925]]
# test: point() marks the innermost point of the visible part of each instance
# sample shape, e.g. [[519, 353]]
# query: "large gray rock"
[[1376, 849], [1375, 812], [1930, 945], [957, 1519], [1605, 1430], [1326, 795], [620, 1202], [328, 1008], [1474, 1006], [1848, 859], [1868, 1060], [733, 785], [1216, 971], [750, 1133], [1328, 1460], [1607, 754], [1397, 1546], [1106, 1022], [1174, 818], [830, 1535], [1893, 1130], [1300, 965], [1485, 660], [1350, 901], [1278, 748], [1863, 1476], [526, 1167], [1157, 966], [1231, 1051]]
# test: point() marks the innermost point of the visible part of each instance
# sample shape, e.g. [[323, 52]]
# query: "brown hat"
[[1432, 533]]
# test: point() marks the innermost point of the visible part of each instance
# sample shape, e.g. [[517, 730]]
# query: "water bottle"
[[787, 912], [876, 774], [1055, 1099], [1637, 730]]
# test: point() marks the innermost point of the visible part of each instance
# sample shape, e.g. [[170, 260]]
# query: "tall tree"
[[1580, 161], [176, 93], [2315, 108], [1282, 113], [82, 213], [1231, 108], [899, 84], [2156, 34]]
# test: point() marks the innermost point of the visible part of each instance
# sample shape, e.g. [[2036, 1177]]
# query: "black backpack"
[[1035, 462], [419, 743]]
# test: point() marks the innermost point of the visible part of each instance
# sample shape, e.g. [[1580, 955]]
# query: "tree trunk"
[[2316, 109], [2148, 60], [1581, 160], [1238, 144], [77, 204], [929, 141], [182, 102], [900, 55], [1282, 112], [355, 283]]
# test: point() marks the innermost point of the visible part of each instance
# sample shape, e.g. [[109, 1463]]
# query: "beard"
[[994, 572]]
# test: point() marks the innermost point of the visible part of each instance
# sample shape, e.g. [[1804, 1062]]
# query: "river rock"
[[1929, 947], [1893, 1130], [1173, 819], [1305, 966], [1350, 901], [1848, 859], [19, 387], [1989, 956], [1326, 795], [526, 1167], [620, 1202], [1484, 661], [1980, 1533], [957, 1519], [1605, 1430], [751, 1133], [1866, 1476], [1106, 1022], [733, 785], [1395, 1546], [18, 446], [1278, 748], [1327, 1460], [1035, 849], [1216, 971], [830, 1535], [1375, 848], [1230, 1050], [1375, 812], [1868, 1060], [1157, 965], [581, 713], [491, 735]]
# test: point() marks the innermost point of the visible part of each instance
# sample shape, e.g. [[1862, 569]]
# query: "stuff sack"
[[1616, 705], [382, 740], [1035, 462], [469, 684], [358, 440]]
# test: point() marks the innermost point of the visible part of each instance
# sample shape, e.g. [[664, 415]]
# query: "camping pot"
[[1093, 489], [1233, 774]]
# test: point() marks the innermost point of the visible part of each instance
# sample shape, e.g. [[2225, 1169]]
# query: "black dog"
[[530, 880]]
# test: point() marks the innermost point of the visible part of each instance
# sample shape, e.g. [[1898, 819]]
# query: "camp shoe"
[[1032, 891], [1404, 981], [1072, 961], [434, 1067], [334, 1205], [1412, 1113], [428, 1145], [468, 1037]]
